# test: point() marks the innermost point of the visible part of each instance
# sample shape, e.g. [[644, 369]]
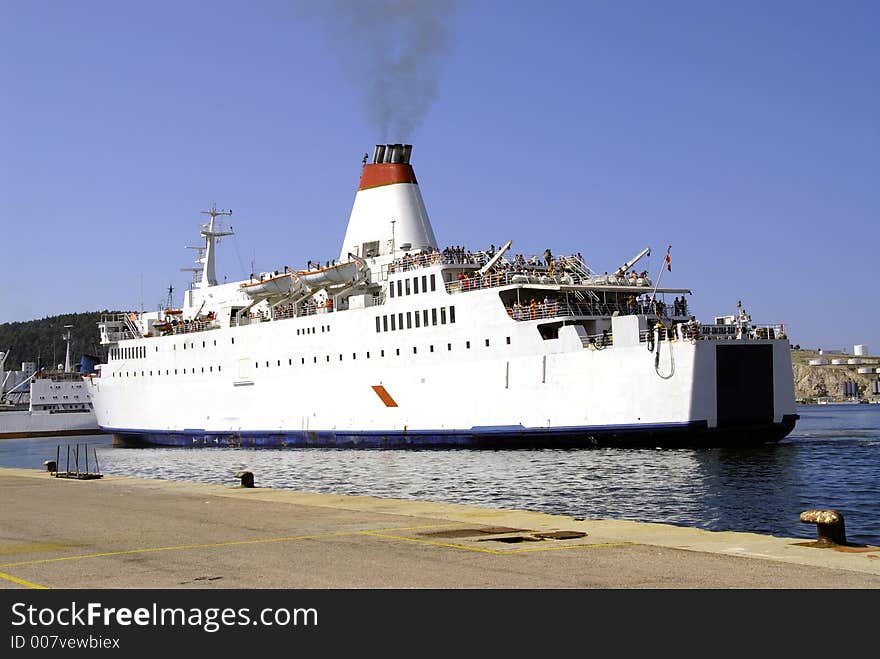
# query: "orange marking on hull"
[[380, 174], [384, 395]]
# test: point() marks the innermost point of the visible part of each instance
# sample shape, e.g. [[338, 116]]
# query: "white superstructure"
[[34, 403], [400, 343]]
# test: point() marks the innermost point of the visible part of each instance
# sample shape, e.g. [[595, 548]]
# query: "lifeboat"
[[334, 275], [271, 287]]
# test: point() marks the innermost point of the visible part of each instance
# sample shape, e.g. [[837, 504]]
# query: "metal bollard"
[[50, 466], [247, 478], [829, 526]]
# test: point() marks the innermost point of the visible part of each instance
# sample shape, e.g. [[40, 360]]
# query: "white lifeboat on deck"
[[334, 275], [270, 287]]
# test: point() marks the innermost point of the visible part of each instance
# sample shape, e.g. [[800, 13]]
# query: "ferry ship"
[[46, 403], [399, 343]]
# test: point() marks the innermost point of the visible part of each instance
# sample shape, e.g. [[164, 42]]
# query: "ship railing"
[[598, 341], [732, 331], [190, 326], [497, 278], [118, 327]]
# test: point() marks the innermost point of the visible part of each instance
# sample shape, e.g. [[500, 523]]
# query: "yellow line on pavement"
[[209, 545], [22, 582]]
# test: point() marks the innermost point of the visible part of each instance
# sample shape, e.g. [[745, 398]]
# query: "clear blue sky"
[[746, 135]]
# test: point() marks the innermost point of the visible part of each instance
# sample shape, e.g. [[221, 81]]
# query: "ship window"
[[433, 316], [233, 339], [452, 314], [415, 350], [279, 362], [157, 347], [166, 371], [184, 346], [184, 371], [215, 343], [290, 362], [219, 368], [267, 363], [424, 283], [340, 357], [303, 359], [382, 353], [175, 371], [425, 317], [431, 348], [408, 320], [397, 351], [467, 344], [399, 288], [384, 323], [151, 374], [391, 289], [418, 319], [368, 354], [487, 343], [327, 358], [449, 346], [203, 344], [211, 369], [354, 355], [256, 364], [415, 285], [400, 320], [378, 324], [442, 315], [433, 282], [393, 322], [406, 287], [508, 340], [203, 369], [315, 359]]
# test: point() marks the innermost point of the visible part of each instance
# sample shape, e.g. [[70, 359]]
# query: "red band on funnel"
[[379, 174]]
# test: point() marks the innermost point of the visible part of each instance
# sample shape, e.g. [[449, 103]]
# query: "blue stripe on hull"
[[694, 433]]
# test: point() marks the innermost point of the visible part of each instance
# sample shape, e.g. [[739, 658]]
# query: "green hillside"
[[42, 341]]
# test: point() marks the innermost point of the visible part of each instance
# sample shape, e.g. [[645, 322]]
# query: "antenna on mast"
[[212, 231]]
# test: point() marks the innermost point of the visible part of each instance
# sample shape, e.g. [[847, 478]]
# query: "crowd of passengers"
[[632, 304]]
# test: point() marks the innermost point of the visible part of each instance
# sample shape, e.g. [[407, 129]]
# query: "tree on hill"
[[42, 340]]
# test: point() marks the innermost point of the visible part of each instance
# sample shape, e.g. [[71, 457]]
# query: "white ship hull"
[[24, 423], [414, 347], [277, 385], [54, 407]]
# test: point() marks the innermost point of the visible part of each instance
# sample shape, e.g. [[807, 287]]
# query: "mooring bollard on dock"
[[51, 466], [829, 526], [247, 478]]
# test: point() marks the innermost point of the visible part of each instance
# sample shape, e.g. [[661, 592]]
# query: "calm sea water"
[[831, 460]]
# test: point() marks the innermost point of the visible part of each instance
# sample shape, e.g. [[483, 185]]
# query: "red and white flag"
[[668, 260]]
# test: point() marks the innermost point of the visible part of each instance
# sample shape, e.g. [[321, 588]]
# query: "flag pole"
[[668, 264]]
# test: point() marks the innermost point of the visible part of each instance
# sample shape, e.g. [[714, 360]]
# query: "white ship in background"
[[40, 403], [399, 343]]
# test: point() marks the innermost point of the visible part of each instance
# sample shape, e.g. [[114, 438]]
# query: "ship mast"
[[66, 338], [210, 232]]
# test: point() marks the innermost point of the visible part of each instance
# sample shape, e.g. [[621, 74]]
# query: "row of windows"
[[138, 352], [302, 360], [134, 352], [419, 318], [168, 371], [404, 287]]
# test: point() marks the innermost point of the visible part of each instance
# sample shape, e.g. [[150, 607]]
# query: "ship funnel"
[[388, 214]]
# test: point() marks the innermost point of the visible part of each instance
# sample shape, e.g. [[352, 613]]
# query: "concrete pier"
[[119, 532]]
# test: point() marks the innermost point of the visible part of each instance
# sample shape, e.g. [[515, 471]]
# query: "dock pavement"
[[130, 533]]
